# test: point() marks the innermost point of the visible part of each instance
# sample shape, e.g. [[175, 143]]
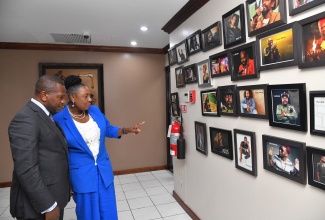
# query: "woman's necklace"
[[81, 116]]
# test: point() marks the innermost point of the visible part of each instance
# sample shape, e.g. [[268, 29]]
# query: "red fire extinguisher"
[[174, 136]]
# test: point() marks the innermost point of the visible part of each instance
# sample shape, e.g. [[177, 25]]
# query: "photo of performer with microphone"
[[266, 13]]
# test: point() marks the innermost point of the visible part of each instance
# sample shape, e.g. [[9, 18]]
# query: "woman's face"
[[82, 99]]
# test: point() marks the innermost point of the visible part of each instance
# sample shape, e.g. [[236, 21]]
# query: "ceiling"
[[108, 22]]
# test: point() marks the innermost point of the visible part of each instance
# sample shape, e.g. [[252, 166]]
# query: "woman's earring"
[[72, 104]]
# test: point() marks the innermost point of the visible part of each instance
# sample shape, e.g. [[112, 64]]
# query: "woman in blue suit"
[[91, 174]]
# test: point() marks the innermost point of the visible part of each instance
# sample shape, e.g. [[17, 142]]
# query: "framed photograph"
[[209, 103], [190, 74], [211, 36], [316, 167], [252, 101], [219, 64], [285, 157], [228, 100], [265, 15], [221, 142], [317, 113], [287, 106], [201, 137], [175, 104], [91, 75], [233, 23], [312, 39], [297, 6], [182, 52], [194, 43], [180, 77], [277, 48], [172, 56], [203, 72], [243, 62], [245, 151]]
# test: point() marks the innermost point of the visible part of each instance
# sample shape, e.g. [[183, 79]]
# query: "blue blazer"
[[83, 170]]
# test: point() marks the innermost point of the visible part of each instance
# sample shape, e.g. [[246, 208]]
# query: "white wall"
[[211, 185]]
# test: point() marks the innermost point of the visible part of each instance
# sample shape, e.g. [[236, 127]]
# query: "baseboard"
[[120, 172], [185, 207]]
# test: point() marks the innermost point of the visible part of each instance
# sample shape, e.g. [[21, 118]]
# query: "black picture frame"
[[182, 52], [209, 102], [201, 137], [295, 9], [316, 167], [194, 43], [258, 102], [221, 142], [179, 77], [220, 64], [204, 73], [90, 73], [190, 73], [211, 36], [174, 101], [312, 53], [292, 115], [172, 56], [254, 20], [296, 150], [227, 100], [249, 70], [234, 34], [245, 151], [283, 42], [317, 117]]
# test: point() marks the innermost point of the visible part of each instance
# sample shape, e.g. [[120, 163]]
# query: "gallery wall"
[[134, 91], [210, 185]]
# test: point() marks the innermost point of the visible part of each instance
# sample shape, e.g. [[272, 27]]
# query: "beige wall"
[[134, 91]]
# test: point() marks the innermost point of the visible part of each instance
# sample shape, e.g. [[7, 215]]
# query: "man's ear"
[[43, 96]]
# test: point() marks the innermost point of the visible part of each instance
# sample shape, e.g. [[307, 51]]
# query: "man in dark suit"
[[40, 183]]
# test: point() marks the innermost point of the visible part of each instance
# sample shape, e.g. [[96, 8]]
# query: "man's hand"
[[297, 164], [271, 152], [53, 215]]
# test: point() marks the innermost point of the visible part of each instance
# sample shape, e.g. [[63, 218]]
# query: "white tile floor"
[[140, 196]]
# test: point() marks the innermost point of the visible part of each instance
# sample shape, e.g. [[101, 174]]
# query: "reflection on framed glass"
[[243, 62], [203, 72], [172, 56], [287, 106], [180, 78], [297, 6], [175, 104], [265, 15], [190, 74], [285, 158], [221, 142], [245, 151], [201, 137], [234, 27], [194, 43], [91, 75], [219, 64], [211, 36], [317, 112], [209, 102], [312, 39], [316, 167], [227, 100], [278, 47], [182, 52], [252, 101]]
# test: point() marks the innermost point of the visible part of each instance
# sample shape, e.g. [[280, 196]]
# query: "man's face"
[[284, 100], [56, 99], [233, 20], [210, 36], [243, 58], [247, 96], [323, 159], [270, 42], [322, 30], [267, 6], [229, 98], [283, 152]]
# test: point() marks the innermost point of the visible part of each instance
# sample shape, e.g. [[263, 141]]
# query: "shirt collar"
[[41, 106]]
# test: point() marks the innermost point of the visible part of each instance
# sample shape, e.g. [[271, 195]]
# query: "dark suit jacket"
[[41, 174]]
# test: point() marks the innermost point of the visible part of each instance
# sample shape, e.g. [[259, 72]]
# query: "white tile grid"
[[140, 196]]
